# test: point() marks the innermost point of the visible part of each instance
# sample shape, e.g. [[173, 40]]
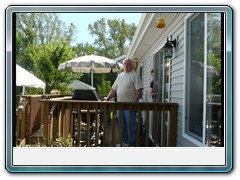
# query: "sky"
[[82, 20]]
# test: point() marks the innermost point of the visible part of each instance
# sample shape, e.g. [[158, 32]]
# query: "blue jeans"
[[126, 126]]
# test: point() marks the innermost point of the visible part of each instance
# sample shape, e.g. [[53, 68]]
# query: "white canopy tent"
[[27, 79]]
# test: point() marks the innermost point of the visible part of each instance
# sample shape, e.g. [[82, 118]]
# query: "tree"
[[112, 36], [42, 43], [104, 88]]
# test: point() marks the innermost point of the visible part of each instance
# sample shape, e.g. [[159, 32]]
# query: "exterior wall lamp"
[[168, 48], [161, 23]]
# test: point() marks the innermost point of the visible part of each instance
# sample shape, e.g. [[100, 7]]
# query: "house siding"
[[146, 79], [176, 74]]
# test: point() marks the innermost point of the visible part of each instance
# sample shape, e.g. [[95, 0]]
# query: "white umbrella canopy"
[[91, 64], [27, 79]]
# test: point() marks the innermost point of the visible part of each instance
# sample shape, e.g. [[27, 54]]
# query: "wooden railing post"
[[121, 123], [172, 126], [45, 111], [79, 125], [113, 120], [105, 125], [21, 121], [139, 124], [163, 129], [147, 126], [97, 124], [155, 125], [130, 125], [88, 137], [60, 120]]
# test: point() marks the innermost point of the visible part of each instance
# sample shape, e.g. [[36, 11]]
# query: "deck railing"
[[94, 123], [28, 117]]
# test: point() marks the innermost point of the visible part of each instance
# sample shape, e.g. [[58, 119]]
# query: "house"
[[191, 77]]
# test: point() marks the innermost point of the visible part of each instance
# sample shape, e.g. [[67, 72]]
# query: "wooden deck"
[[89, 123]]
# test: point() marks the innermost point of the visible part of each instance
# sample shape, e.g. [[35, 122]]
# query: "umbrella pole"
[[92, 78], [23, 90]]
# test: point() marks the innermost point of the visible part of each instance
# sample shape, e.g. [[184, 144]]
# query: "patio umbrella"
[[91, 64], [27, 79]]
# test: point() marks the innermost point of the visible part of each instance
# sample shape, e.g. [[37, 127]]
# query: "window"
[[203, 119]]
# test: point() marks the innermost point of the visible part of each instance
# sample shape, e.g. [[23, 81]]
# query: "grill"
[[85, 94]]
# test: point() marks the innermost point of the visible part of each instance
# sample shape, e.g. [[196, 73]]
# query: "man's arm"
[[111, 95], [138, 95]]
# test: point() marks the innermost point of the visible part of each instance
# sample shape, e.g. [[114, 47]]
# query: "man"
[[128, 88]]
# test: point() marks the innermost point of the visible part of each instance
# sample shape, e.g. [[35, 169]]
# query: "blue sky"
[[81, 21]]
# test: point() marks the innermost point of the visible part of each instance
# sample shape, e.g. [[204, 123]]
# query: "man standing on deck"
[[128, 88]]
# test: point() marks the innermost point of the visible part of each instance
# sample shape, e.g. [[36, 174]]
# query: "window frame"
[[187, 20]]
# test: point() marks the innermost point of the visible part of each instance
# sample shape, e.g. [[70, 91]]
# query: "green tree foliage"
[[112, 36], [82, 49], [104, 88], [214, 51], [42, 43]]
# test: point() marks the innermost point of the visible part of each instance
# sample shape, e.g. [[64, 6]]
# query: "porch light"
[[21, 103], [20, 106], [161, 23], [168, 48]]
